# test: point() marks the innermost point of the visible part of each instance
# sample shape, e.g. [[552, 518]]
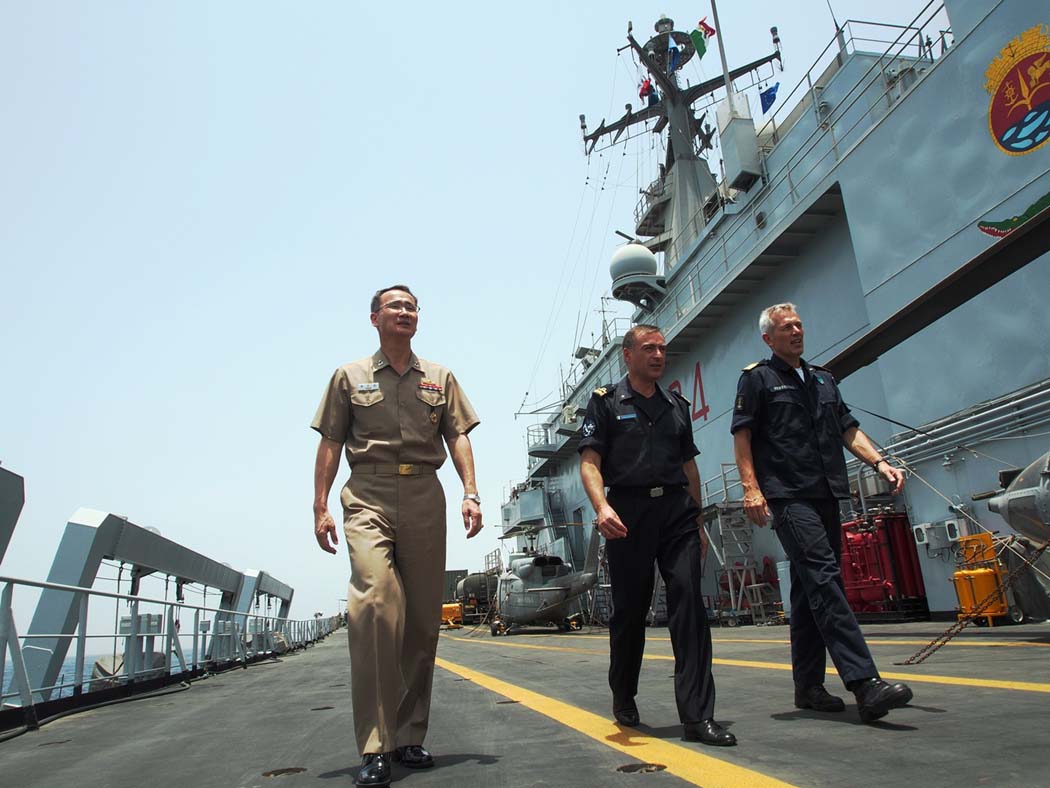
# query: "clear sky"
[[198, 199]]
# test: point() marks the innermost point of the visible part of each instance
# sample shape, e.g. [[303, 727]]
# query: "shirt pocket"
[[787, 409], [826, 395], [628, 434], [435, 404], [787, 399], [367, 418]]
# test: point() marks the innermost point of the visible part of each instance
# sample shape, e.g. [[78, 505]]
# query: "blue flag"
[[672, 53], [768, 96]]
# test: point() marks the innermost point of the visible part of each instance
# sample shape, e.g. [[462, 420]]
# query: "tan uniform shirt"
[[383, 417]]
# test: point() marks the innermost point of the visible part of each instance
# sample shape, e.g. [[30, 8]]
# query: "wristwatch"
[[875, 464], [473, 497]]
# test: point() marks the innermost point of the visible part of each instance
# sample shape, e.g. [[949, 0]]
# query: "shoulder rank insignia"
[[750, 367], [429, 385], [601, 391]]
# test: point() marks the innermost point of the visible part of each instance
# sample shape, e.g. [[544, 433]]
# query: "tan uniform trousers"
[[395, 532]]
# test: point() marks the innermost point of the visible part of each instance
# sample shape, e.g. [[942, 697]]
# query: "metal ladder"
[[658, 604], [601, 595], [738, 555]]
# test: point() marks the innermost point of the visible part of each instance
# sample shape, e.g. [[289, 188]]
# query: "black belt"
[[646, 492]]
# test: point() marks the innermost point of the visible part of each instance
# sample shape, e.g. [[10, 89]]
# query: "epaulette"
[[750, 367], [602, 391], [680, 396]]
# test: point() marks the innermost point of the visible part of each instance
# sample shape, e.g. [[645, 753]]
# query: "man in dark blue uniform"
[[789, 428], [638, 442]]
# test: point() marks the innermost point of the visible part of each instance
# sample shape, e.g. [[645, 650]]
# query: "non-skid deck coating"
[[532, 709]]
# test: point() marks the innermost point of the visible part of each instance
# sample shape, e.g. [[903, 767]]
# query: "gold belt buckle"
[[656, 492], [404, 469]]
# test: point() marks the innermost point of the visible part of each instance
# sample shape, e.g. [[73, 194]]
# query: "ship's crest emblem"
[[1019, 82]]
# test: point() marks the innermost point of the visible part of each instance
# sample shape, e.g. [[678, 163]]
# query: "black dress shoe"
[[375, 770], [414, 757], [818, 699], [708, 732], [876, 697], [626, 713]]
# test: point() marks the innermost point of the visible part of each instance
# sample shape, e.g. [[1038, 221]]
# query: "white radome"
[[631, 260]]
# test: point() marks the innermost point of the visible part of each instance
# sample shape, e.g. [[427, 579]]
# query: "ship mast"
[[685, 171], [725, 63]]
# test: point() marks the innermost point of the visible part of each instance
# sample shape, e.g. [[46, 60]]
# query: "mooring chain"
[[931, 648]]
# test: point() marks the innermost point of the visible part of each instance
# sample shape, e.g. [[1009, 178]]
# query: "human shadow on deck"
[[849, 718], [673, 731], [449, 759]]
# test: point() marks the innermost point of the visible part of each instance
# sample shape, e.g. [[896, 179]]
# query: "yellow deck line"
[[684, 762], [870, 641], [958, 681]]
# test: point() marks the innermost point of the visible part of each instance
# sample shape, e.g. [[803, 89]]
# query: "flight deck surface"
[[533, 709]]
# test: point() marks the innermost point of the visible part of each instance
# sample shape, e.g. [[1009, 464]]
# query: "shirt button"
[[402, 402]]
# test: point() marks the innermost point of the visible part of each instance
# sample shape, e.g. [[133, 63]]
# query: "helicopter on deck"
[[540, 589]]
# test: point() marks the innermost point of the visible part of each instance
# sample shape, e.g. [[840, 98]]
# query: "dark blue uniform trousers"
[[821, 619], [661, 530]]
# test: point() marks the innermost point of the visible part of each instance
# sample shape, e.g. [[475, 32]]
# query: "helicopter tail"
[[590, 566]]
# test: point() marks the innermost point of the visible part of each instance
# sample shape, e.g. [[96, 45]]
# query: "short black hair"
[[639, 330], [375, 299]]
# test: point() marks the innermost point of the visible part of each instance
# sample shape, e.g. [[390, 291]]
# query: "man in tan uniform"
[[391, 412]]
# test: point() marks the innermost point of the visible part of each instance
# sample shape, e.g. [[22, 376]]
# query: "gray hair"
[[765, 319]]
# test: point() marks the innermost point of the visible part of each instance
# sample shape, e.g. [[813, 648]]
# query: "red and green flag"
[[699, 36]]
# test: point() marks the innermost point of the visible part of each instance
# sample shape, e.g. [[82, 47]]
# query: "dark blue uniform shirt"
[[643, 442], [796, 429]]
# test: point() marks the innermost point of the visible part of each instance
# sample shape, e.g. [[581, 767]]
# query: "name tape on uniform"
[[368, 387]]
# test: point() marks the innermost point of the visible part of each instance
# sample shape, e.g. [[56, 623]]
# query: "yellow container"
[[977, 548], [452, 613], [972, 586]]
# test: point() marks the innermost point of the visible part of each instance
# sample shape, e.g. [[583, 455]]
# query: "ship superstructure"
[[899, 198]]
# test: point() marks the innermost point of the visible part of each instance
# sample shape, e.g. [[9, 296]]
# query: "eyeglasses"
[[401, 306]]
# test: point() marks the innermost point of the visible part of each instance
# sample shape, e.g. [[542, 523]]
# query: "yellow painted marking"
[[871, 642], [684, 762], [961, 681], [922, 678]]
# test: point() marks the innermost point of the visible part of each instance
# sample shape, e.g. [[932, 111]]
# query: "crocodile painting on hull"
[[1007, 226]]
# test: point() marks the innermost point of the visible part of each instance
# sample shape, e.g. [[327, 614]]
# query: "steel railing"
[[804, 171], [235, 638]]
